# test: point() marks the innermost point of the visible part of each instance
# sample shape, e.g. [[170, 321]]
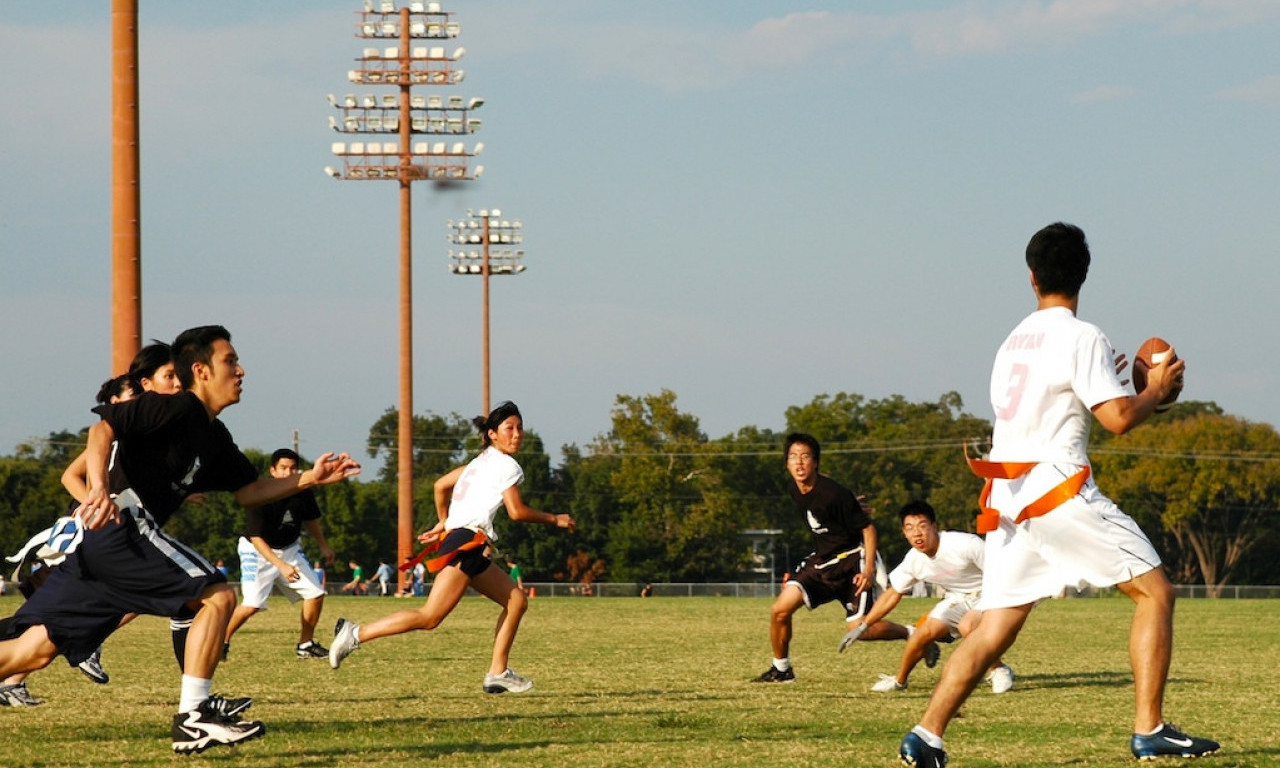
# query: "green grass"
[[658, 682]]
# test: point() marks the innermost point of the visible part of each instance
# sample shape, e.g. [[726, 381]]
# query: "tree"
[[1212, 482], [439, 445]]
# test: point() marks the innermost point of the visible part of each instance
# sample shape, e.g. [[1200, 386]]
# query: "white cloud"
[[1104, 93], [1265, 90]]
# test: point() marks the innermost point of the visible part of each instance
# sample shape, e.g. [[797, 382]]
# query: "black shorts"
[[130, 567], [471, 561], [834, 583]]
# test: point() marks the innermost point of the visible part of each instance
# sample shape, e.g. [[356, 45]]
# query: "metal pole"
[[126, 256], [485, 274]]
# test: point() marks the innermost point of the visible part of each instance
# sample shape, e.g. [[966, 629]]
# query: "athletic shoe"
[[507, 681], [92, 668], [1170, 741], [916, 753], [775, 675], [344, 642], [17, 695], [312, 650], [888, 683], [931, 654], [228, 707], [203, 727], [1001, 678]]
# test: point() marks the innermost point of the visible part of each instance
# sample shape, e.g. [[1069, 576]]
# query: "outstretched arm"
[[520, 512], [328, 469]]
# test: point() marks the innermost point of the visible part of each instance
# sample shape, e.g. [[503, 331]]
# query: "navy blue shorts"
[[130, 567]]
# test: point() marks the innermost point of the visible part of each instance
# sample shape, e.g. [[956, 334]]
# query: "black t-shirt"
[[280, 522], [834, 515], [167, 448]]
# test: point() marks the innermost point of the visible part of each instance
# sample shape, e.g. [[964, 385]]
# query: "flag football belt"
[[989, 517], [441, 559], [838, 558]]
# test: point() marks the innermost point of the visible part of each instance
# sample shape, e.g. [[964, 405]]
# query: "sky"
[[750, 204]]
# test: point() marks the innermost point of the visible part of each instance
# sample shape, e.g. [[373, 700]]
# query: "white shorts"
[[257, 575], [952, 608], [1086, 541]]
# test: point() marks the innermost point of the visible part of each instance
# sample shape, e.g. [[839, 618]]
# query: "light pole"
[[403, 116], [126, 197], [485, 228]]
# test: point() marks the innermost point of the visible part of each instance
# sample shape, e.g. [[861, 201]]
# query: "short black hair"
[[195, 345], [500, 413], [149, 359], [285, 453], [115, 387], [808, 441], [920, 508], [1058, 256]]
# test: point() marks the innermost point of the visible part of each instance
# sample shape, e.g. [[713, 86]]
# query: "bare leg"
[[991, 638], [789, 600], [497, 585], [926, 633], [310, 617], [238, 617], [1150, 645], [208, 631], [27, 652], [446, 591], [886, 630]]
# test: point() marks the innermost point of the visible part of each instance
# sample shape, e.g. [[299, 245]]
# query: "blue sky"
[[747, 203]]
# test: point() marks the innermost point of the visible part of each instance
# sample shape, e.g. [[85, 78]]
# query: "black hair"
[[195, 345], [285, 453], [1058, 256], [808, 441], [149, 359], [503, 411], [920, 508], [116, 387]]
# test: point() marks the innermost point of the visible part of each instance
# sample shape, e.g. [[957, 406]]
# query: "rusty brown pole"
[[126, 217], [404, 517]]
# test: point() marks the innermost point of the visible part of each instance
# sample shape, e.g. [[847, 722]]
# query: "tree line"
[[658, 500]]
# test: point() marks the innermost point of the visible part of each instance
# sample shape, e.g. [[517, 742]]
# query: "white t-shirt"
[[1047, 376], [956, 566], [478, 492]]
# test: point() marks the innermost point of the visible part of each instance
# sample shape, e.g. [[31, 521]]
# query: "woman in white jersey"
[[466, 500]]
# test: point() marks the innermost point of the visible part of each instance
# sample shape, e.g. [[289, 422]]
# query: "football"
[[1153, 352]]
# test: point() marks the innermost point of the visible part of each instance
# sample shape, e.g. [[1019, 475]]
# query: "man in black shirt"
[[842, 566], [270, 553], [143, 458]]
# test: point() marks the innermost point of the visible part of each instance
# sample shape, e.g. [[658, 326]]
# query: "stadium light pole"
[[485, 228], [405, 115]]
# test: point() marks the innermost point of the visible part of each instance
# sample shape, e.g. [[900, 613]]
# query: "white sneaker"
[[888, 683], [1001, 678], [507, 681], [344, 642]]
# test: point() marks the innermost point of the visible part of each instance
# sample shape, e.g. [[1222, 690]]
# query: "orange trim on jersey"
[[989, 517]]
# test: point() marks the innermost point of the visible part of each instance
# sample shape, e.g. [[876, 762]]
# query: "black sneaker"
[[931, 654], [203, 727], [775, 675], [229, 706], [916, 753], [1170, 741], [312, 650]]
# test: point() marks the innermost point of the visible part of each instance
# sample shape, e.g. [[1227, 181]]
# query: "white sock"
[[910, 631], [930, 738], [194, 691], [782, 665], [1158, 729]]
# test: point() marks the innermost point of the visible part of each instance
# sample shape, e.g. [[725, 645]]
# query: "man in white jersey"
[[951, 560], [1047, 524]]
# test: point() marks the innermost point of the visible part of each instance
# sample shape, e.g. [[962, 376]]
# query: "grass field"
[[658, 682]]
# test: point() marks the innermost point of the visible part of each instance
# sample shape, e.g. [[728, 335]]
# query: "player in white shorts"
[[271, 553], [1046, 523], [949, 559]]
